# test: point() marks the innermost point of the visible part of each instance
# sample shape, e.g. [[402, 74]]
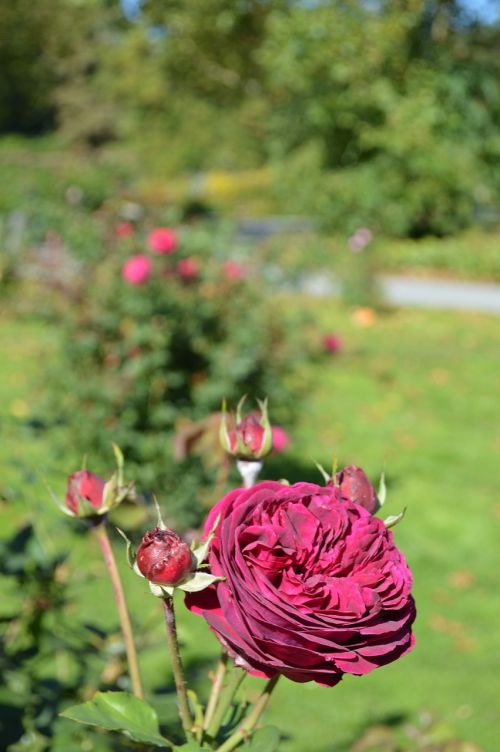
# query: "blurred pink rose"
[[163, 240], [233, 270], [188, 268], [360, 239], [124, 230], [137, 269], [281, 440], [332, 343]]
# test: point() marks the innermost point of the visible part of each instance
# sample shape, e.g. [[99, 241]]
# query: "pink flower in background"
[[332, 343], [137, 269], [313, 585], [281, 440], [188, 268], [233, 270], [360, 239], [163, 240], [124, 230]]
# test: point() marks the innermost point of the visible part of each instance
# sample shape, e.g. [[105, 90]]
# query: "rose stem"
[[252, 718], [121, 605], [177, 670], [217, 685], [235, 678]]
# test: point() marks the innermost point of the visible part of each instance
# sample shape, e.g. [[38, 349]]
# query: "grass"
[[414, 394]]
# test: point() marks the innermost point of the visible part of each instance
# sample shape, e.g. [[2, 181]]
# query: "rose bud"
[[354, 484], [251, 438], [84, 485], [163, 557]]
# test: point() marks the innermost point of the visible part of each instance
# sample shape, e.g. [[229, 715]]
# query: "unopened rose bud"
[[163, 557], [251, 438], [86, 486], [354, 484]]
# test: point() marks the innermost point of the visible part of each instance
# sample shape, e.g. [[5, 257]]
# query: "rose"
[[281, 440], [163, 240], [355, 486], [188, 268], [332, 343], [137, 269], [247, 438], [163, 557], [233, 270], [124, 230], [84, 485], [314, 586]]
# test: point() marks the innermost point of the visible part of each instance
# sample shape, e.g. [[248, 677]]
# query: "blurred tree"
[[383, 112]]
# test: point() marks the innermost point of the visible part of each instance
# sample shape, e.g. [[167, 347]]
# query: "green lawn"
[[414, 394]]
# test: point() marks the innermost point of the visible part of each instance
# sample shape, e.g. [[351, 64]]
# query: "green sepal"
[[198, 581], [110, 496], [123, 712], [119, 463], [130, 549], [160, 522], [393, 519], [382, 490], [239, 408], [86, 509], [200, 552], [60, 504], [267, 441], [327, 478]]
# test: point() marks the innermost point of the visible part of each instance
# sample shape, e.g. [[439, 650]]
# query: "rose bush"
[[152, 341], [314, 585]]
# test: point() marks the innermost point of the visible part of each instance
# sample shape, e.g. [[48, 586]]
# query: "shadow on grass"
[[360, 742]]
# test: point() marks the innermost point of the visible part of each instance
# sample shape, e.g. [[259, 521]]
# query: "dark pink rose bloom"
[[355, 486], [84, 485], [163, 557], [163, 240], [124, 230], [137, 269], [332, 343], [281, 440], [188, 268], [233, 270], [314, 585]]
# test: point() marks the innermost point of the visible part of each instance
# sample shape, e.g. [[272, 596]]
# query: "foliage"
[[382, 114], [142, 360]]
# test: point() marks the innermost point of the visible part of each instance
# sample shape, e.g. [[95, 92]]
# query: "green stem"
[[121, 604], [217, 685], [251, 720], [235, 678], [177, 669]]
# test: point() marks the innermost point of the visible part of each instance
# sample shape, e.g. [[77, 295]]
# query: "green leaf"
[[265, 739], [120, 711], [191, 747]]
